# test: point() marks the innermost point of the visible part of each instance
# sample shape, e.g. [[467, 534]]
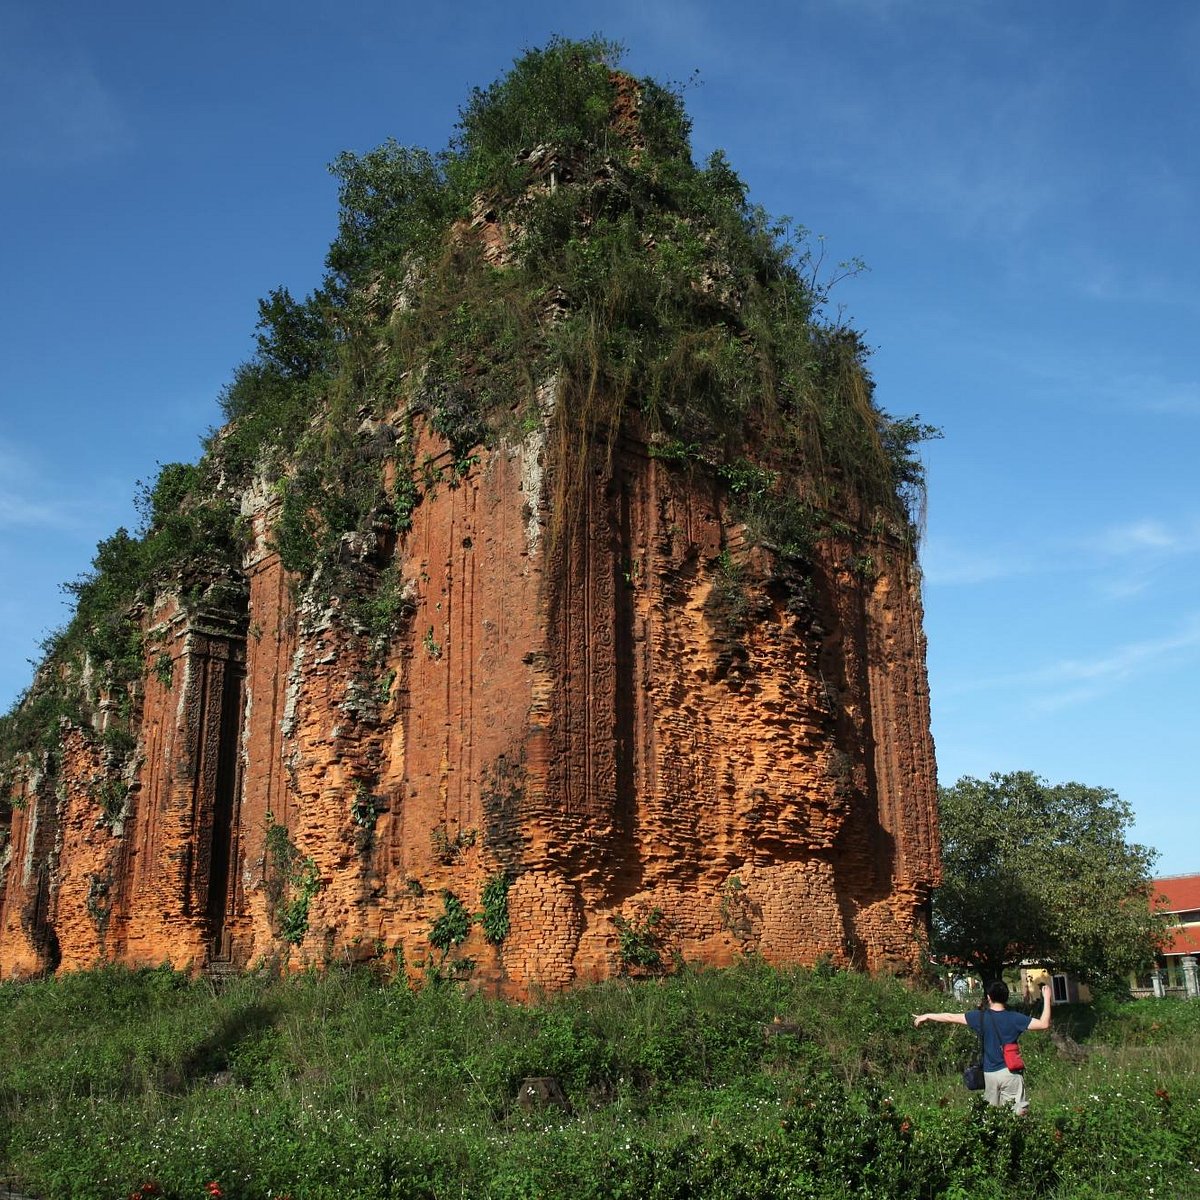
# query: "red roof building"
[[1179, 900]]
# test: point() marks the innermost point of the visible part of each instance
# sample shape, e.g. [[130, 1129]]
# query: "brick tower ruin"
[[571, 715]]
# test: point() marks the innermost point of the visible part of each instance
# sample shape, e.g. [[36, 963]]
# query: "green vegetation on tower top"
[[564, 236]]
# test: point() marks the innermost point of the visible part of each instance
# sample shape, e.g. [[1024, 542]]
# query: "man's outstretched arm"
[[944, 1018]]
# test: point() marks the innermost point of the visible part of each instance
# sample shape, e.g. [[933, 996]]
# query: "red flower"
[[213, 1188], [905, 1125]]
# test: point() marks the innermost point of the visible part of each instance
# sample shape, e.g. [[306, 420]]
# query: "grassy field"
[[136, 1084]]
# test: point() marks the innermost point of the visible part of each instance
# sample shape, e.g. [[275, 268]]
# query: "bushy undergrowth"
[[345, 1085]]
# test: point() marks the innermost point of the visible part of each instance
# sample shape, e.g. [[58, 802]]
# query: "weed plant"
[[348, 1084]]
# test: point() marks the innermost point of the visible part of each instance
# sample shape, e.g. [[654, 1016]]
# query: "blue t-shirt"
[[999, 1028]]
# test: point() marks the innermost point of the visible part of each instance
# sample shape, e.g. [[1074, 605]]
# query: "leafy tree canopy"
[[1041, 871]]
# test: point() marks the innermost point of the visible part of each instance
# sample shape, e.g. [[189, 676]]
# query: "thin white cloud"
[[1182, 400], [1068, 682], [24, 502], [1052, 702], [1113, 379], [1078, 681], [1124, 561], [1126, 587], [18, 511], [1123, 661], [1132, 559], [54, 109], [984, 165], [1136, 537], [1092, 269], [1133, 392], [1147, 537], [944, 564]]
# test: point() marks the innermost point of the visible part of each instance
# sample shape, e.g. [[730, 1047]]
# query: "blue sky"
[[1021, 179]]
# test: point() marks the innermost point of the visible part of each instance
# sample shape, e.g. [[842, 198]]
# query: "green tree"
[[1032, 870]]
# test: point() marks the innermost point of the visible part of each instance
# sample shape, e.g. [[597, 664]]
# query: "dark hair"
[[998, 992]]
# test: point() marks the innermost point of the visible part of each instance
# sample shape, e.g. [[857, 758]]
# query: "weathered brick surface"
[[623, 707]]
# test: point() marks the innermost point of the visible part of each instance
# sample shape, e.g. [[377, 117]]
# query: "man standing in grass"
[[999, 1027]]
